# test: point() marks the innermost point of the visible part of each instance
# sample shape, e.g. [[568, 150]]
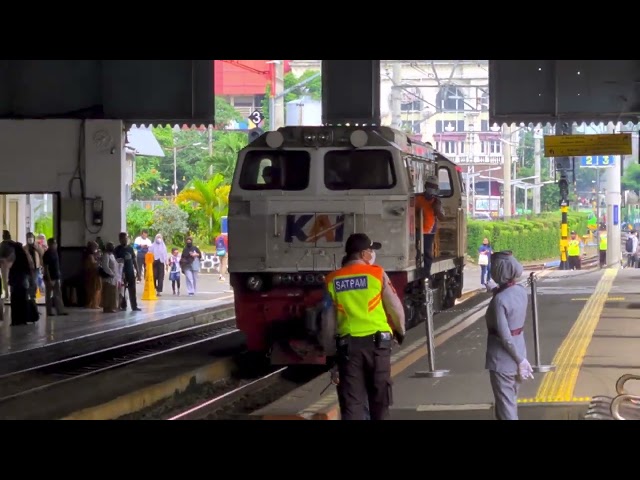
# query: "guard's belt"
[[514, 333]]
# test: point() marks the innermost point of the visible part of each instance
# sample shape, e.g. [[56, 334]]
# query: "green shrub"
[[531, 238]]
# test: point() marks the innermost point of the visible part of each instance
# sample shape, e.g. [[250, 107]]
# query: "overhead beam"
[[351, 92]]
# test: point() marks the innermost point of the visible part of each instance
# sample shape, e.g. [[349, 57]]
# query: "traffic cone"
[[149, 292]]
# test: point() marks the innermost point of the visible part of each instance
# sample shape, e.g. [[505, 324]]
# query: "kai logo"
[[311, 228]]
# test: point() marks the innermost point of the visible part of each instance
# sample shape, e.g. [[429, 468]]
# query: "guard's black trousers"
[[365, 389]]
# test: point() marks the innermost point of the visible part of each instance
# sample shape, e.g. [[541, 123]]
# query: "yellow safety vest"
[[603, 241], [356, 291], [574, 248]]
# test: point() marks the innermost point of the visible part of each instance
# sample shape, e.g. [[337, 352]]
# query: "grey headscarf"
[[505, 268]]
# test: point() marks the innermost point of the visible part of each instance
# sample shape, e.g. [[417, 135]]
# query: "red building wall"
[[231, 79]]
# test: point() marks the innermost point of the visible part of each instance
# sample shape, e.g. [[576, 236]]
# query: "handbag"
[[195, 266], [483, 260]]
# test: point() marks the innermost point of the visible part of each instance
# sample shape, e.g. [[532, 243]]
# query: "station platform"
[[84, 330], [589, 328]]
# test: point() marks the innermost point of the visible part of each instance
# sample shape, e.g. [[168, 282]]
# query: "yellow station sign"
[[580, 145]]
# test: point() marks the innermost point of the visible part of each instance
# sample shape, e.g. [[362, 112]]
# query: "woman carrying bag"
[[484, 260]]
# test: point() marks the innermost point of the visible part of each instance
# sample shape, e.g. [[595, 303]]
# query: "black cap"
[[359, 242]]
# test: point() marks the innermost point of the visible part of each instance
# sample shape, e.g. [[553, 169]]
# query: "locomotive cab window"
[[280, 170], [445, 183], [359, 170]]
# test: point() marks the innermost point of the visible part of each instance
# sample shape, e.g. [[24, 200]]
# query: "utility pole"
[[563, 165], [175, 172], [396, 96], [537, 173], [506, 172], [613, 199], [210, 139]]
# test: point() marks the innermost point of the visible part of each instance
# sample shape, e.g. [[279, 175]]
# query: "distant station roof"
[[144, 142]]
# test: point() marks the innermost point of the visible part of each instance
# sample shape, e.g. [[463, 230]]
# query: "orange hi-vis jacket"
[[429, 219]]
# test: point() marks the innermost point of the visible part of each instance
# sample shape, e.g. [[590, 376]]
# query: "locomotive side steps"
[[308, 401], [85, 331]]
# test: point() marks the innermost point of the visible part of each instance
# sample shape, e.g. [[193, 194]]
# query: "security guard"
[[357, 299], [602, 246], [573, 252]]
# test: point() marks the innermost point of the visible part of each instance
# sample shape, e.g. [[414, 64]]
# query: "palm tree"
[[212, 196]]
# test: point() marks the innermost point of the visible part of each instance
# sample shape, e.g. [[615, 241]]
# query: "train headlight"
[[254, 283], [359, 138], [277, 279], [297, 278], [320, 278], [275, 139], [286, 278]]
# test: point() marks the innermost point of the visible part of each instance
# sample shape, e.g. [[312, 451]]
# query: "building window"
[[411, 126], [450, 147], [411, 100], [442, 125], [484, 125], [243, 101], [491, 147], [450, 99]]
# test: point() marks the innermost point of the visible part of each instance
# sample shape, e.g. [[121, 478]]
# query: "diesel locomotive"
[[296, 196]]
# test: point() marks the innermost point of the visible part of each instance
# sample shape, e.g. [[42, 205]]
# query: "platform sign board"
[[579, 145], [597, 161]]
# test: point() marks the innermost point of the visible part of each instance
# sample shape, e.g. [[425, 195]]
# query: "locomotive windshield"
[[359, 169], [275, 170]]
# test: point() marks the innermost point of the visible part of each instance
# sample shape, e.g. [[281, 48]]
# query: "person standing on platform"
[[506, 356], [357, 299], [574, 252], [53, 279], [130, 271], [602, 246], [110, 282], [160, 262], [222, 248]]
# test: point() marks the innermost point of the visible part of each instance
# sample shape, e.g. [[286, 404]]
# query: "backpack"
[[221, 248], [629, 244]]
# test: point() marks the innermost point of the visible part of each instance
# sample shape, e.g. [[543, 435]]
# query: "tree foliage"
[[313, 89], [631, 178], [170, 221]]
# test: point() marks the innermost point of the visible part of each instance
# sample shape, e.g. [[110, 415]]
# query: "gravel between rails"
[[239, 409]]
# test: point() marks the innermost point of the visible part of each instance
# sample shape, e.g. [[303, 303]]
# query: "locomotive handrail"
[[624, 379], [617, 403]]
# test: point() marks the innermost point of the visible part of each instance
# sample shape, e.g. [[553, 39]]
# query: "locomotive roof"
[[339, 136]]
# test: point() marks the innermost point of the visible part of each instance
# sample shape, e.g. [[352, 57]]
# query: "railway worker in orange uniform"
[[432, 211], [358, 297]]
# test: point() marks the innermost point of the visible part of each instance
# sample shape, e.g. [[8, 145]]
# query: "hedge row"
[[533, 238]]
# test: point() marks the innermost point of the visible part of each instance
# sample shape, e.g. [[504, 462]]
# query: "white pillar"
[[105, 177], [613, 199]]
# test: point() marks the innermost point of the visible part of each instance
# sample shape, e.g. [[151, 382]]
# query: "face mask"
[[30, 241], [372, 258]]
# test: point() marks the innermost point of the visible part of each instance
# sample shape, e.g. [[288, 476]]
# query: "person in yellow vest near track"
[[357, 299], [574, 251], [602, 246]]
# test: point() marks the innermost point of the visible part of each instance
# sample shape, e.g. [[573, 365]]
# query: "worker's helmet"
[[431, 185]]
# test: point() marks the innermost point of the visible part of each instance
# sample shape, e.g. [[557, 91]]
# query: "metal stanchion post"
[[431, 348], [537, 367]]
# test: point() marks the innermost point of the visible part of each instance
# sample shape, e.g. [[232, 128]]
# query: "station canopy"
[[573, 91]]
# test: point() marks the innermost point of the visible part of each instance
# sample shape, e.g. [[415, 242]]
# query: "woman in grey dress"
[[506, 357]]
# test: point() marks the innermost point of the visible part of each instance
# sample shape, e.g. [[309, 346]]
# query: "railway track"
[[238, 399], [39, 378]]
